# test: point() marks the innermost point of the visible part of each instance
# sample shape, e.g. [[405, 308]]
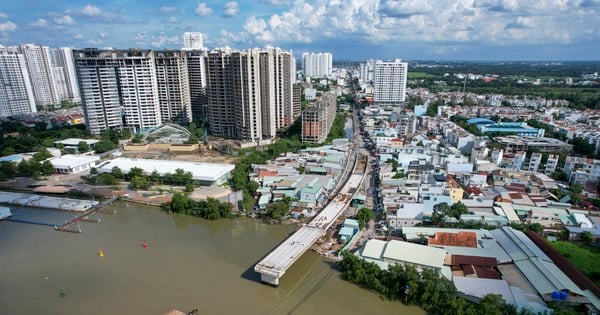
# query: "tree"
[[41, 126], [440, 212], [47, 169], [457, 209], [394, 163], [103, 145], [363, 216], [93, 171], [583, 147], [586, 237], [24, 169], [42, 154], [279, 210], [560, 175], [48, 142], [494, 304], [138, 138], [116, 172], [83, 147], [154, 176], [136, 171], [139, 182], [106, 179]]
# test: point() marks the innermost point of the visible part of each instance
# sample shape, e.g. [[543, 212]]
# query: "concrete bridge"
[[280, 259]]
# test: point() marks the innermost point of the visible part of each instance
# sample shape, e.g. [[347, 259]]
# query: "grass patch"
[[583, 257], [421, 75]]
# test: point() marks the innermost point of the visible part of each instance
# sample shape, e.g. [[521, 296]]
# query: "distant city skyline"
[[350, 29]]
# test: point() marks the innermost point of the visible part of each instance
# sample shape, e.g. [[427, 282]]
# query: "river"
[[189, 264]]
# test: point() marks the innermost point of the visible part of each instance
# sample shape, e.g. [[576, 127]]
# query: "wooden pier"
[[73, 224]]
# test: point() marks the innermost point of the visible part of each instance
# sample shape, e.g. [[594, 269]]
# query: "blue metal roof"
[[480, 121]]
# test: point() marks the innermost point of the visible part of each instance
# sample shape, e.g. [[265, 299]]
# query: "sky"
[[350, 29]]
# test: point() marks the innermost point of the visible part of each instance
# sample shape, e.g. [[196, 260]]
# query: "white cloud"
[[64, 20], [102, 35], [77, 36], [8, 26], [94, 42], [231, 9], [173, 20], [163, 40], [279, 2], [167, 9], [3, 15], [39, 23], [92, 10], [203, 9], [381, 21]]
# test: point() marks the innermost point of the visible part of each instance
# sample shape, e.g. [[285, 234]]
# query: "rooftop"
[[200, 171], [415, 254], [72, 160], [463, 238], [75, 141]]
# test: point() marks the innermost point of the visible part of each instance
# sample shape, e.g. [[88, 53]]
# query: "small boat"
[[144, 244], [100, 253]]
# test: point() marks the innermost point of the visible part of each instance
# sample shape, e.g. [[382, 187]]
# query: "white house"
[[72, 164]]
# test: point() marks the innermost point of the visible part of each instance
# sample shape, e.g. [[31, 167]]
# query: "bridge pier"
[[272, 280]]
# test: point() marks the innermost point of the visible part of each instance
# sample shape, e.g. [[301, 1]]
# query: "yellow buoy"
[[101, 253]]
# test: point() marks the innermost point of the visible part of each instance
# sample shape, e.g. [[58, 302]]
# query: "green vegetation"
[[548, 130], [210, 209], [507, 82], [34, 167], [560, 175], [279, 210], [582, 147], [18, 138], [462, 122], [239, 177], [441, 211], [585, 258], [290, 142], [138, 180], [432, 108], [363, 216], [337, 128], [420, 75]]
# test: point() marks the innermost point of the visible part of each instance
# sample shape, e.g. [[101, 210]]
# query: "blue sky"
[[350, 29]]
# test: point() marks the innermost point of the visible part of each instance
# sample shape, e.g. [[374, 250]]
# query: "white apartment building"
[[192, 41], [196, 68], [581, 170], [16, 92], [39, 66], [551, 164], [64, 69], [173, 86], [534, 162], [366, 71], [118, 89], [317, 64], [389, 82]]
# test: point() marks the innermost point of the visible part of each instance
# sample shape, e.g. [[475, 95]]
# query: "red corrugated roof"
[[463, 239], [474, 260]]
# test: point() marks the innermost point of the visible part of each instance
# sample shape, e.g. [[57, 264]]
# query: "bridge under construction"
[[279, 260]]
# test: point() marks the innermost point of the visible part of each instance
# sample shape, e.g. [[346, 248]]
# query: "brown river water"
[[189, 264]]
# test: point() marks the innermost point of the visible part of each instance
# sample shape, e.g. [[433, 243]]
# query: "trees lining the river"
[[210, 209]]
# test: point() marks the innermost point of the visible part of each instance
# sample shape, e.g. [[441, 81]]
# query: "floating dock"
[[38, 201]]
